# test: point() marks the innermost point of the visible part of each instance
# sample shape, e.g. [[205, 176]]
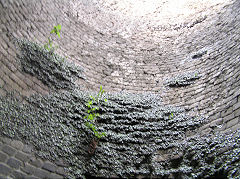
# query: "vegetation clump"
[[138, 127], [51, 69], [183, 79], [92, 113], [41, 62]]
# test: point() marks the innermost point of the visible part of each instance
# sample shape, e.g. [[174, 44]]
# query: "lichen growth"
[[183, 79], [143, 136], [53, 70], [137, 129]]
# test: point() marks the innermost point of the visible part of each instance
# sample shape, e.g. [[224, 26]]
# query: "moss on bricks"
[[53, 70], [183, 79], [138, 129], [143, 137]]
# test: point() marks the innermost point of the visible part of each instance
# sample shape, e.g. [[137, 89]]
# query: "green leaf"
[[90, 116], [59, 27], [92, 97], [46, 46], [58, 34], [87, 124], [50, 44]]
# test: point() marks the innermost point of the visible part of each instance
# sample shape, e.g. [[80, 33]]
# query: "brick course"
[[17, 160]]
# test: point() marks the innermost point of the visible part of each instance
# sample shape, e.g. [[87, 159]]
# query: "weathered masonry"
[[171, 72]]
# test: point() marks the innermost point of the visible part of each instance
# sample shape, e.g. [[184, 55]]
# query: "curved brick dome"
[[187, 52]]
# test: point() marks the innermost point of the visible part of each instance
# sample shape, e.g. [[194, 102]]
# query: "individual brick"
[[8, 88], [228, 117], [19, 81], [12, 84], [60, 163], [12, 17], [2, 92], [3, 157], [232, 122], [61, 171], [18, 174], [8, 150], [17, 144], [1, 71], [31, 177], [49, 166], [206, 131], [1, 83], [55, 176], [39, 89], [236, 106], [4, 170], [4, 44], [216, 122], [237, 113], [27, 149], [3, 51], [28, 81], [36, 162], [22, 156], [10, 65], [29, 169], [5, 69], [5, 140], [41, 173], [24, 78], [237, 93], [232, 129], [14, 163]]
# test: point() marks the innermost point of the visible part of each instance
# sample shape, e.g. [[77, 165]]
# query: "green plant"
[[92, 114], [49, 45], [171, 115]]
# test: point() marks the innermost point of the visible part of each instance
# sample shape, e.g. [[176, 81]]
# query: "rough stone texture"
[[14, 163], [124, 48], [18, 165], [3, 157], [4, 170]]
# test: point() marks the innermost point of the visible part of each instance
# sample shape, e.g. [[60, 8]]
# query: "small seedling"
[[92, 113], [171, 115], [49, 45]]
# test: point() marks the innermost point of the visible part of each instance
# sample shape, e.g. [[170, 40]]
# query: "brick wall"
[[136, 61], [141, 62]]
